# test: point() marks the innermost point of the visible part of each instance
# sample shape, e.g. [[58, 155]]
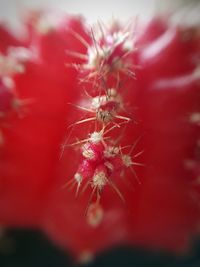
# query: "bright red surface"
[[159, 213]]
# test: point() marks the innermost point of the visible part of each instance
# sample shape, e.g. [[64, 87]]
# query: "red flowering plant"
[[100, 132]]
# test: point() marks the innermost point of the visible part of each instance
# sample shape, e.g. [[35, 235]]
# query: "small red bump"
[[86, 169], [93, 152]]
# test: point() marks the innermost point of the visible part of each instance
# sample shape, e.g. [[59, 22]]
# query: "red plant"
[[100, 133]]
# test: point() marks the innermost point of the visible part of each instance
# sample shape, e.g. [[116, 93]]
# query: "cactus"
[[100, 132]]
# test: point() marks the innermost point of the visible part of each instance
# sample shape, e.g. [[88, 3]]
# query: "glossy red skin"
[[160, 213], [40, 132]]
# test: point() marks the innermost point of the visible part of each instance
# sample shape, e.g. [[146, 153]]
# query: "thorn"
[[70, 182], [76, 54], [138, 164], [116, 190], [79, 38], [138, 154], [135, 175], [82, 121]]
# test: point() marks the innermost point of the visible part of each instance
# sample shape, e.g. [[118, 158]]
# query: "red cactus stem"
[[107, 150]]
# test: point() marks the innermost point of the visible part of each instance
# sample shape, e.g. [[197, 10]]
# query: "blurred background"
[[25, 248], [31, 248], [92, 9]]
